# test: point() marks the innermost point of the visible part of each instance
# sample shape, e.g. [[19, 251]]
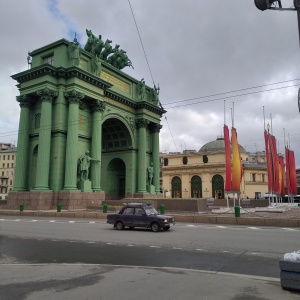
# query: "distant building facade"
[[7, 168], [201, 174]]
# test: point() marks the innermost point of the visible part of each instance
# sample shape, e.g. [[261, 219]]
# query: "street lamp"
[[271, 4]]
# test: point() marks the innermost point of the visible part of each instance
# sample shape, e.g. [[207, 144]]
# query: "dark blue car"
[[140, 215]]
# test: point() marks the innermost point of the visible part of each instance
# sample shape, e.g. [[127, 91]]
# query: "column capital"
[[47, 95], [142, 123], [74, 96], [24, 100], [98, 105], [155, 128]]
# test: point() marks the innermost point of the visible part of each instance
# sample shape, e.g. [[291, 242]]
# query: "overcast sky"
[[195, 49]]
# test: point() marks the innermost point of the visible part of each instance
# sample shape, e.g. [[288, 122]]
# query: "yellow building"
[[7, 167], [201, 174]]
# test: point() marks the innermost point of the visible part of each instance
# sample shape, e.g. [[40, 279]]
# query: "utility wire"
[[233, 96], [149, 66], [141, 41], [244, 89], [65, 123]]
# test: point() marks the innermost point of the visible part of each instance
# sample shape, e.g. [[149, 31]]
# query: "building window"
[[254, 177], [8, 157], [166, 161], [48, 60], [37, 120], [184, 160], [12, 165], [263, 177], [2, 173], [12, 173], [10, 182], [3, 165], [3, 157], [7, 165], [205, 159], [12, 157]]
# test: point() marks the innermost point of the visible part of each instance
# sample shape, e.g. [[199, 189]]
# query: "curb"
[[209, 219]]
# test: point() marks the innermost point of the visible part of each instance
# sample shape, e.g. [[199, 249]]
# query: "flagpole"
[[264, 118]]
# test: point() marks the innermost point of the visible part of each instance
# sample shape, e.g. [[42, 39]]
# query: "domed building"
[[201, 174]]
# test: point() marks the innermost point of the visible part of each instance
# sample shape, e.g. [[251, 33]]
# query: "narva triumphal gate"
[[87, 130]]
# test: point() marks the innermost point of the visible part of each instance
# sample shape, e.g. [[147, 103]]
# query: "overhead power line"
[[230, 92], [228, 97]]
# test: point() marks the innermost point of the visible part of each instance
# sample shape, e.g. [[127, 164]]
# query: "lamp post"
[[270, 4]]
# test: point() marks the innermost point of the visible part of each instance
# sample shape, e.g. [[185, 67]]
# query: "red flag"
[[269, 165], [287, 170], [274, 163], [227, 159], [236, 163], [293, 178], [281, 176]]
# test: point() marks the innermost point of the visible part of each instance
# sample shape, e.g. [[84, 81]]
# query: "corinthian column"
[[141, 159], [74, 98], [43, 159], [96, 147], [22, 146], [155, 157]]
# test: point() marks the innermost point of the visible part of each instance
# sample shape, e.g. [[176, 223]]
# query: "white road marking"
[[253, 228], [92, 222], [191, 225], [221, 227], [33, 220], [254, 253], [52, 221], [130, 245], [225, 251], [290, 229], [71, 221], [201, 250], [17, 220], [91, 242], [110, 244], [154, 247], [175, 248], [2, 219]]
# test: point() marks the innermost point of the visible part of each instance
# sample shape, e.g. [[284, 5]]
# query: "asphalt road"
[[249, 251]]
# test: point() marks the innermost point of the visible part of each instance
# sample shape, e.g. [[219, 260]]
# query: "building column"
[[22, 146], [43, 159], [155, 157], [74, 98], [98, 107], [141, 159]]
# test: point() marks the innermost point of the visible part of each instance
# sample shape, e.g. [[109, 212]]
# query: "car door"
[[127, 216], [140, 217]]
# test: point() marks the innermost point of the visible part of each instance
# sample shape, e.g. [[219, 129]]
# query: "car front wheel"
[[155, 227], [119, 225]]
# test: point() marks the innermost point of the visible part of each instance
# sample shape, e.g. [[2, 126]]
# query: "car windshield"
[[150, 211]]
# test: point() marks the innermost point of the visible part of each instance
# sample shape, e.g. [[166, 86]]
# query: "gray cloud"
[[194, 48]]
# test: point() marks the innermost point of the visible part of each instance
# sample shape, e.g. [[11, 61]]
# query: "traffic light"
[[265, 4]]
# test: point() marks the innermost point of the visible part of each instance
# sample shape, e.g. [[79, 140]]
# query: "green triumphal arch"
[[87, 131]]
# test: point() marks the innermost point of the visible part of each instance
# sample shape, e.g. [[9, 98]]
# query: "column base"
[[85, 185], [151, 189]]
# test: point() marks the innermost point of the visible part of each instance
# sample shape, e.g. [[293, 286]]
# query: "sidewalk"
[[288, 216]]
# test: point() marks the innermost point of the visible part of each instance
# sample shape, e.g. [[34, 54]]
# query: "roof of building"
[[217, 145]]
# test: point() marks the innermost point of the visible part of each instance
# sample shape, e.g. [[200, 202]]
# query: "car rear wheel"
[[119, 225], [155, 227]]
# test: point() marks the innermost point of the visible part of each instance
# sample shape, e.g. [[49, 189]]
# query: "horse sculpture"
[[107, 50], [90, 41]]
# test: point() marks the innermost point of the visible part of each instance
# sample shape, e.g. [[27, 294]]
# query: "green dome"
[[217, 146]]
